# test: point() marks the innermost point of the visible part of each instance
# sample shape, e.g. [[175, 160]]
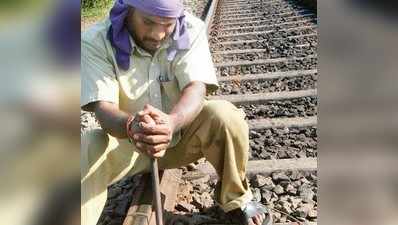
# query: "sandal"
[[249, 210]]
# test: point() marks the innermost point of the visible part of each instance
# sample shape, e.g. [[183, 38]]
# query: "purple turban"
[[118, 34]]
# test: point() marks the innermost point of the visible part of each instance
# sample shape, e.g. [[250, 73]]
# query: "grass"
[[97, 11]]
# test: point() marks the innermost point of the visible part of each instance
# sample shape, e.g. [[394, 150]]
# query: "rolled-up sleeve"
[[196, 65], [98, 78]]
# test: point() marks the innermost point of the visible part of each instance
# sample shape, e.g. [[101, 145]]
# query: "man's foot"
[[253, 213]]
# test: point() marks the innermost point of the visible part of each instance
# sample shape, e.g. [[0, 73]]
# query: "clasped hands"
[[151, 131]]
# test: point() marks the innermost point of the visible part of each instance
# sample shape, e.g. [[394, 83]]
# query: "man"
[[149, 66]]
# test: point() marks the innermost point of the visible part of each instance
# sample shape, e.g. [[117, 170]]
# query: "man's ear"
[[130, 13], [131, 10]]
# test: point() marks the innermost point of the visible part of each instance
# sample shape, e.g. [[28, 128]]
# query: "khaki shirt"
[[152, 80]]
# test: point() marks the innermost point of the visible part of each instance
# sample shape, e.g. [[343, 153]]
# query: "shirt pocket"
[[170, 91]]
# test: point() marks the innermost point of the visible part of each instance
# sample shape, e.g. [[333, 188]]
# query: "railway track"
[[265, 54]]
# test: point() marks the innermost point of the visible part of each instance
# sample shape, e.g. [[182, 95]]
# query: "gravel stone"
[[257, 194], [260, 180], [306, 106], [291, 189], [313, 214], [280, 176], [290, 65], [306, 193], [273, 144], [278, 198], [275, 85], [266, 196], [118, 201], [196, 7], [302, 211], [278, 190]]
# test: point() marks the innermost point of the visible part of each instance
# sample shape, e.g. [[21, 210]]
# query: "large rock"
[[203, 180], [313, 214], [266, 196], [286, 207], [280, 176], [294, 201], [302, 211], [278, 189], [306, 193], [201, 184], [290, 189], [257, 194], [260, 180], [277, 215], [296, 175], [203, 200]]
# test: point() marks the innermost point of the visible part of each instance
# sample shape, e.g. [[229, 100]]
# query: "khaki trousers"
[[219, 133]]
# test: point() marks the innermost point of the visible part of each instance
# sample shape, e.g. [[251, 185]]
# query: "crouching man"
[[149, 65]]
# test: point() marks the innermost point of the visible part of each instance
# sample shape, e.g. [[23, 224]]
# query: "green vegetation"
[[95, 8]]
